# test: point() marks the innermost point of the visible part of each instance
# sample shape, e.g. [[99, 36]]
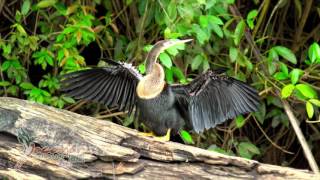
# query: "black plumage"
[[208, 100], [211, 99], [112, 86]]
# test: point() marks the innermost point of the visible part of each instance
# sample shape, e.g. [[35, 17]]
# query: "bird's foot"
[[159, 138], [149, 134]]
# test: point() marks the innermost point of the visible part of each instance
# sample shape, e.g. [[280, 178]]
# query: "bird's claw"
[[164, 138]]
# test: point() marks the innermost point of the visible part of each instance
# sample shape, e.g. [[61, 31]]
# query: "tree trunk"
[[41, 142]]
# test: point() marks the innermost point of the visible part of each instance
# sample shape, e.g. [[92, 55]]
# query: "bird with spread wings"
[[208, 100]]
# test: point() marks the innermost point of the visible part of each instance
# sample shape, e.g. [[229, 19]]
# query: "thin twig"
[[270, 140], [110, 115], [294, 122], [76, 106], [302, 23], [235, 12]]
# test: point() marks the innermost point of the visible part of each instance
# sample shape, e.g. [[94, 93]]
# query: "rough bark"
[[56, 143]]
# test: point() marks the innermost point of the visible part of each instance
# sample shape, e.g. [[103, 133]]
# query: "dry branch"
[[72, 146]]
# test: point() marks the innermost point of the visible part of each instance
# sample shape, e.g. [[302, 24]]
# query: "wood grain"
[[71, 146]]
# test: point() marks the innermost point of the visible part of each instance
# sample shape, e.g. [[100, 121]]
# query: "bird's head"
[[159, 47]]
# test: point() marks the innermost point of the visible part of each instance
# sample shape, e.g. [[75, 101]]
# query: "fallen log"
[[42, 142]]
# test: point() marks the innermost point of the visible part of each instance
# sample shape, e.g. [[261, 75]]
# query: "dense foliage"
[[272, 46]]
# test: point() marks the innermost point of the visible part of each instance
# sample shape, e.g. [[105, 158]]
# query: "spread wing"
[[211, 99], [112, 86]]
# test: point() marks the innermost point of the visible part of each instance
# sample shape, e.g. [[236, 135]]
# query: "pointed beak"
[[168, 43], [186, 40]]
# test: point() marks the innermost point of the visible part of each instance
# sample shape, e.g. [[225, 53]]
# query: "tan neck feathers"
[[152, 84]]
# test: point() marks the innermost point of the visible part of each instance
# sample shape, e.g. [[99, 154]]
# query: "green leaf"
[[180, 46], [147, 48], [307, 91], [173, 51], [217, 149], [196, 62], [261, 113], [178, 73], [272, 67], [25, 7], [5, 65], [4, 83], [310, 110], [167, 33], [300, 96], [203, 21], [240, 121], [280, 76], [239, 31], [284, 68], [247, 150], [26, 85], [286, 54], [13, 90], [233, 54], [70, 29], [18, 16], [128, 2], [45, 93], [169, 75], [21, 29], [210, 3], [287, 91], [201, 35], [165, 60], [61, 8], [49, 60], [249, 64], [273, 113], [314, 52], [294, 75], [186, 137], [60, 54], [45, 3], [217, 29], [250, 18], [172, 11], [60, 104], [142, 68], [205, 65], [272, 55], [7, 49], [68, 99], [315, 102], [215, 20]]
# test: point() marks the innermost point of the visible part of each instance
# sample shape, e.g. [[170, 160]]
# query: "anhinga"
[[208, 100]]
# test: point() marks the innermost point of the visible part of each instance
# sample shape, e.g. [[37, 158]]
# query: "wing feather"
[[90, 88], [211, 99], [111, 86], [108, 90], [113, 91], [101, 91], [72, 82]]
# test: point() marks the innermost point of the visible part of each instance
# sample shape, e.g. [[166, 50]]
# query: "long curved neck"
[[152, 84], [158, 48], [153, 56]]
